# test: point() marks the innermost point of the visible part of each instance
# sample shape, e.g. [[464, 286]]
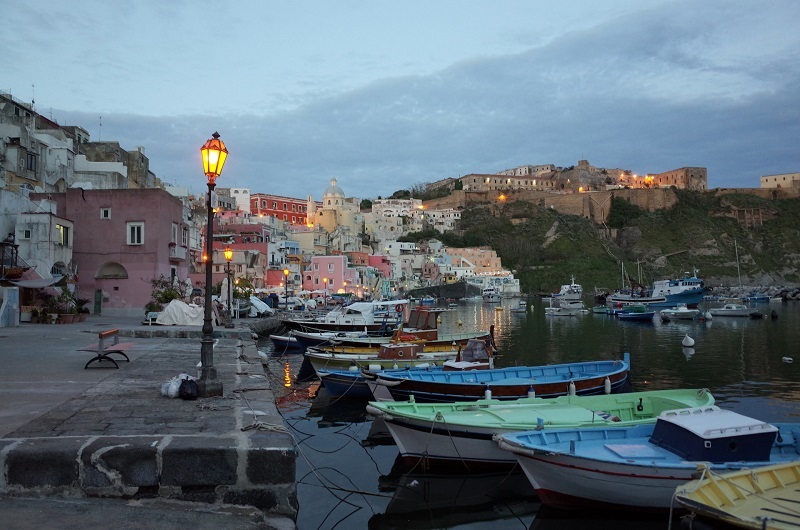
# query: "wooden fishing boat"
[[396, 359], [389, 356], [762, 498], [640, 467], [461, 435], [583, 378]]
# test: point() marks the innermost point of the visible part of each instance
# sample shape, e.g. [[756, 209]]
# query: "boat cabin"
[[712, 434]]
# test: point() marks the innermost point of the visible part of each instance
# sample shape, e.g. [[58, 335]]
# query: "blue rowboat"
[[440, 386]]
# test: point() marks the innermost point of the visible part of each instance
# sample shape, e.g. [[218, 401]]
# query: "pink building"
[[329, 272], [123, 239]]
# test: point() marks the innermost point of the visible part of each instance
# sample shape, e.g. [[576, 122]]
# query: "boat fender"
[[487, 394], [375, 368], [607, 385], [531, 392], [353, 368], [423, 365], [395, 366], [640, 407], [571, 388]]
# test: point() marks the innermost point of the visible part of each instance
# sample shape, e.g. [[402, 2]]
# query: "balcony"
[[177, 253]]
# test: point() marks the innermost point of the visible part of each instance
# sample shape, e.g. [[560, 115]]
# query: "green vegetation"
[[544, 248]]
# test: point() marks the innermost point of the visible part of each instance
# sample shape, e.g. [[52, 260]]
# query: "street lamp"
[[214, 154], [286, 285], [325, 292], [228, 257]]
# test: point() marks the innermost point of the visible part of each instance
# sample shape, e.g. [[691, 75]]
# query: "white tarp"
[[257, 307], [223, 293], [178, 313]]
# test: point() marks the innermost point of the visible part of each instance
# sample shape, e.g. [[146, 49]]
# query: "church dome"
[[333, 191]]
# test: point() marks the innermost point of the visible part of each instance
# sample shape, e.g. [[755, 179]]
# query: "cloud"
[[650, 92]]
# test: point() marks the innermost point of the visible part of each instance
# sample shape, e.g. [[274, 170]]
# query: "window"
[[285, 207], [31, 165], [294, 207], [274, 205], [63, 235], [285, 217], [174, 232], [26, 234], [294, 219], [105, 213], [330, 267], [135, 233], [185, 237]]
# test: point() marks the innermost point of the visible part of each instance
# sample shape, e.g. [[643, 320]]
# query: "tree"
[[622, 213]]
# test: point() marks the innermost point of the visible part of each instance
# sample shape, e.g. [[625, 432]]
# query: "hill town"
[[93, 219]]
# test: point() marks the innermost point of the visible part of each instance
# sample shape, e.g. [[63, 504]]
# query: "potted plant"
[[66, 307], [35, 315], [82, 310]]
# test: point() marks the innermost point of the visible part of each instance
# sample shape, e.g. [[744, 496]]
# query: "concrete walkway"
[[99, 432]]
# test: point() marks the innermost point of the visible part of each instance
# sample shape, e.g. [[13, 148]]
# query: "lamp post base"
[[208, 385]]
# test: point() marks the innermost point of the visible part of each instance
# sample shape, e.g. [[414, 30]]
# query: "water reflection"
[[422, 500]]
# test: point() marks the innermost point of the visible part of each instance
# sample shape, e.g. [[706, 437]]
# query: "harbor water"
[[348, 473]]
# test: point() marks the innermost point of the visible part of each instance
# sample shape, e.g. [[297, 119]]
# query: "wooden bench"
[[107, 343]]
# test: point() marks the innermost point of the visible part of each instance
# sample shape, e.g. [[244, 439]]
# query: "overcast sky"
[[382, 95]]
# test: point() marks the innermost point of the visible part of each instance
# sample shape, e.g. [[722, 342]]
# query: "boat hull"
[[622, 468], [372, 362], [342, 383], [510, 383]]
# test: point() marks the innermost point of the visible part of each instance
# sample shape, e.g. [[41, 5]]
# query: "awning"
[[40, 282]]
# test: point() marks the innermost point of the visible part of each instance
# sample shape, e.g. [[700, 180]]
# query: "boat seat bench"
[[107, 344]]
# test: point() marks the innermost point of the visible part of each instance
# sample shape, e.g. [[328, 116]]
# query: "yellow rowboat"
[[763, 498]]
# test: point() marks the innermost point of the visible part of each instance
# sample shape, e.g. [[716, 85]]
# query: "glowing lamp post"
[[214, 154], [228, 257], [286, 288], [325, 291]]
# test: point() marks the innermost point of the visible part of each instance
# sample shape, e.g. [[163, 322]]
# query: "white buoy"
[[531, 392], [571, 388], [487, 394], [688, 341], [708, 315], [787, 359], [607, 385]]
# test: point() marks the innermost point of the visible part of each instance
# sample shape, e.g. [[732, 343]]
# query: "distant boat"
[[491, 294], [428, 300], [565, 308], [735, 309], [570, 291], [664, 293], [680, 312], [638, 313]]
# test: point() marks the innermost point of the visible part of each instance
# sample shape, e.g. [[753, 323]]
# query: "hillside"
[[544, 248]]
